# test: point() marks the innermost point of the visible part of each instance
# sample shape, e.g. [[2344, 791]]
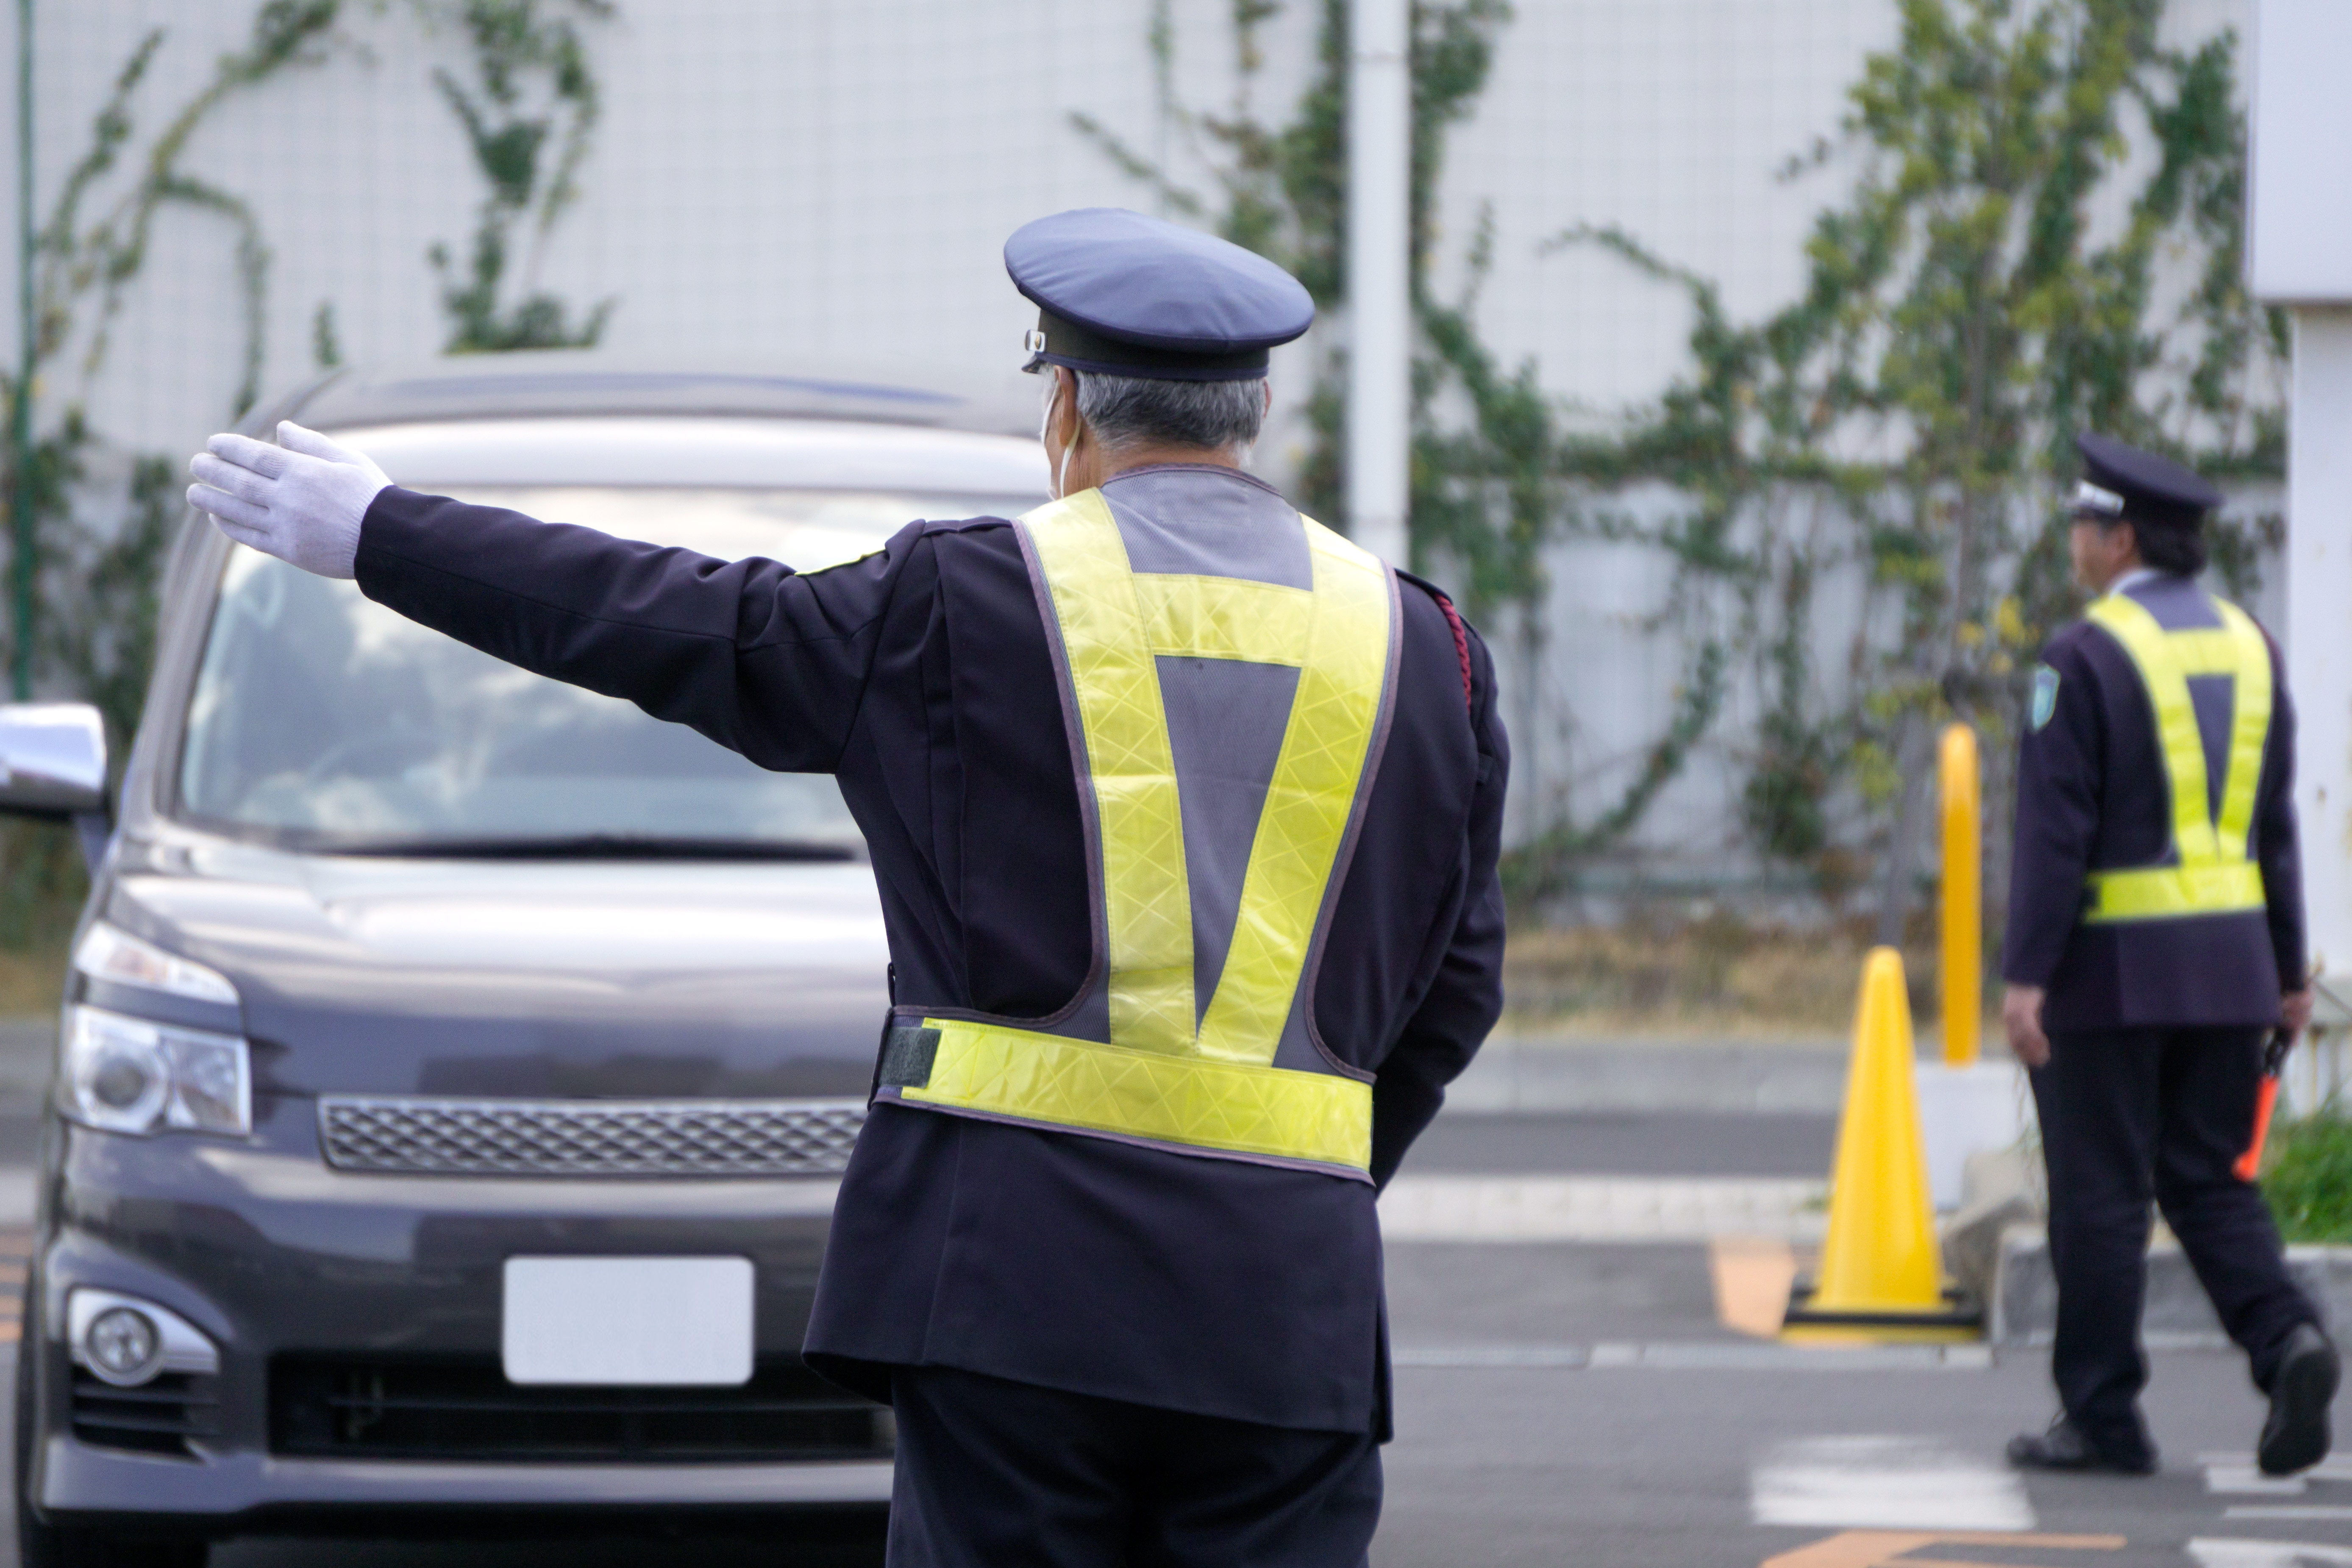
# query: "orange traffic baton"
[[2265, 1101]]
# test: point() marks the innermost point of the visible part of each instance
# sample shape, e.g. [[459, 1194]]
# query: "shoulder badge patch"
[[2045, 694]]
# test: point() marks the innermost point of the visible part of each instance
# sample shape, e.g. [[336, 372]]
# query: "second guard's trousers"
[[991, 1472], [2131, 1115]]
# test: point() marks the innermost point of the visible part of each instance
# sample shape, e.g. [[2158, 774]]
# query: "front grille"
[[590, 1137], [466, 1409], [157, 1417]]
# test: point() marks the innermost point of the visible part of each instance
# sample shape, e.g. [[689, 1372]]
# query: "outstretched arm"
[[760, 658]]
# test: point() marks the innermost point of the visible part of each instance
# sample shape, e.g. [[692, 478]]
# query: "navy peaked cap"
[[2123, 483], [1124, 294]]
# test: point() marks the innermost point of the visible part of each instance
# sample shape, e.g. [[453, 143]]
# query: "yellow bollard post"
[[1963, 929]]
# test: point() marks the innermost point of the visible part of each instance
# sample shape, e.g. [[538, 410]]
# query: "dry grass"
[[1719, 977], [31, 980], [1714, 977]]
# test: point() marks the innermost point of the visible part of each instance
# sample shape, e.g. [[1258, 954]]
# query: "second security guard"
[[2155, 941], [1185, 813]]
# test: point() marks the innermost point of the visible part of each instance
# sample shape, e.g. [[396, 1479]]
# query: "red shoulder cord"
[[1461, 647]]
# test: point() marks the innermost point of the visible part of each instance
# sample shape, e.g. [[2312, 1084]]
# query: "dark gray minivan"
[[456, 1067]]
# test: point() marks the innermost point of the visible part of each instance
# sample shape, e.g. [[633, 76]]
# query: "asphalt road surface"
[[1564, 1403]]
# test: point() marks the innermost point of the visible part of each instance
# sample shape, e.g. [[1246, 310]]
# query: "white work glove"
[[300, 501]]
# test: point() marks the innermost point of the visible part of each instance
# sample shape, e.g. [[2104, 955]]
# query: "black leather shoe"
[[2064, 1447], [2296, 1437]]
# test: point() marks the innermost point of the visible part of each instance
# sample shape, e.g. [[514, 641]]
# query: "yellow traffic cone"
[[1881, 1275]]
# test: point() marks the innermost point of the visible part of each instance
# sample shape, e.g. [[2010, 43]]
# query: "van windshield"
[[322, 720]]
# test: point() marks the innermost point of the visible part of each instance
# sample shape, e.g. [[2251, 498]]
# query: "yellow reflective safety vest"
[[2208, 870], [1141, 1056]]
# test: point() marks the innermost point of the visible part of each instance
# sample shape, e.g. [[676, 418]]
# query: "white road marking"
[[2248, 1480], [1886, 1483], [1704, 1355], [1490, 1355], [2337, 1468], [1715, 1355], [2237, 1474], [2283, 1511], [1599, 1208], [2213, 1552]]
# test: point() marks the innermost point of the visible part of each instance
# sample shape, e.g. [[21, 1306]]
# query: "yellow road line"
[[1753, 1276], [1882, 1548]]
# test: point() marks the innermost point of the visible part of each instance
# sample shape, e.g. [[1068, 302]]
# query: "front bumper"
[[276, 1256], [79, 1480]]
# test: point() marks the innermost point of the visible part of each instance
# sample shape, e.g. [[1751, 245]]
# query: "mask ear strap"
[[1045, 432]]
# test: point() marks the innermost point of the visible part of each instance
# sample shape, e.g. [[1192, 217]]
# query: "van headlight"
[[111, 954], [127, 1074]]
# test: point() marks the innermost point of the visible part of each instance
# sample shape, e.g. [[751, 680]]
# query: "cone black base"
[[1957, 1314]]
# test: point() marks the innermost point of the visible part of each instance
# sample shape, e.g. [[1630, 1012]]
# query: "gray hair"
[[1123, 410]]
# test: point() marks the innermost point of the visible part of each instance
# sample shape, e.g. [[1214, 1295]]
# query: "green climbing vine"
[[1490, 463], [1965, 312], [102, 519], [527, 103], [86, 262], [103, 516]]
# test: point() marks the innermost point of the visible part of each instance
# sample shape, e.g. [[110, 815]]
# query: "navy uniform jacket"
[[920, 677], [2092, 795]]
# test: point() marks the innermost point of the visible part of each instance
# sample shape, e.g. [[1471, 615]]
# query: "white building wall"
[[829, 181]]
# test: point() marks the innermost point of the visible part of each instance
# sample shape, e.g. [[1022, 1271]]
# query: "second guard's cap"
[[2121, 483], [1122, 294]]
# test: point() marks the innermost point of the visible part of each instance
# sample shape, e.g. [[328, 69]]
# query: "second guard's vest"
[[1142, 1055], [2208, 870]]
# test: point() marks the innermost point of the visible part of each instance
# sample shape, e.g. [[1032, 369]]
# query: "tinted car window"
[[319, 718]]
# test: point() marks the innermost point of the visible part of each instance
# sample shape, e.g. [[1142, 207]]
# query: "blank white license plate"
[[646, 1321]]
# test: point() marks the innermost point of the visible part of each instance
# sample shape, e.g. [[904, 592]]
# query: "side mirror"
[[53, 765]]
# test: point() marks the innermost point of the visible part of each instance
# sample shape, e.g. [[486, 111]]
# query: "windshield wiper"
[[599, 846]]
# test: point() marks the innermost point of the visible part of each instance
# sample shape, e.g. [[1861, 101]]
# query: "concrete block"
[[1972, 1239], [1994, 1175], [1966, 1111], [1489, 1083], [1510, 1075], [2024, 1299]]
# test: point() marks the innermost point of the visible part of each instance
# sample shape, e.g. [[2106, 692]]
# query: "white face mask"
[[1045, 436]]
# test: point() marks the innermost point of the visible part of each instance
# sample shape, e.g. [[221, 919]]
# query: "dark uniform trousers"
[[993, 1472], [2133, 1114]]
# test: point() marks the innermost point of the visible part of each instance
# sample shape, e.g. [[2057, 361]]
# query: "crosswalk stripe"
[[1884, 1483], [2213, 1552], [1599, 1208]]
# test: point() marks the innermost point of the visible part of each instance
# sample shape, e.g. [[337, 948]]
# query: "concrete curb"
[[1599, 1208], [1538, 1075], [2024, 1306]]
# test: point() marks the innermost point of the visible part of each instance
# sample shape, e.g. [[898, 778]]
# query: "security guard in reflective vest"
[[2155, 941], [1185, 813]]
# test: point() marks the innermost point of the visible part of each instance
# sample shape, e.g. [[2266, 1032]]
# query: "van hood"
[[568, 979]]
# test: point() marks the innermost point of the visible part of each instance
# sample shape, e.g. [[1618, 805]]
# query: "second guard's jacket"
[[1026, 1232], [2132, 902]]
